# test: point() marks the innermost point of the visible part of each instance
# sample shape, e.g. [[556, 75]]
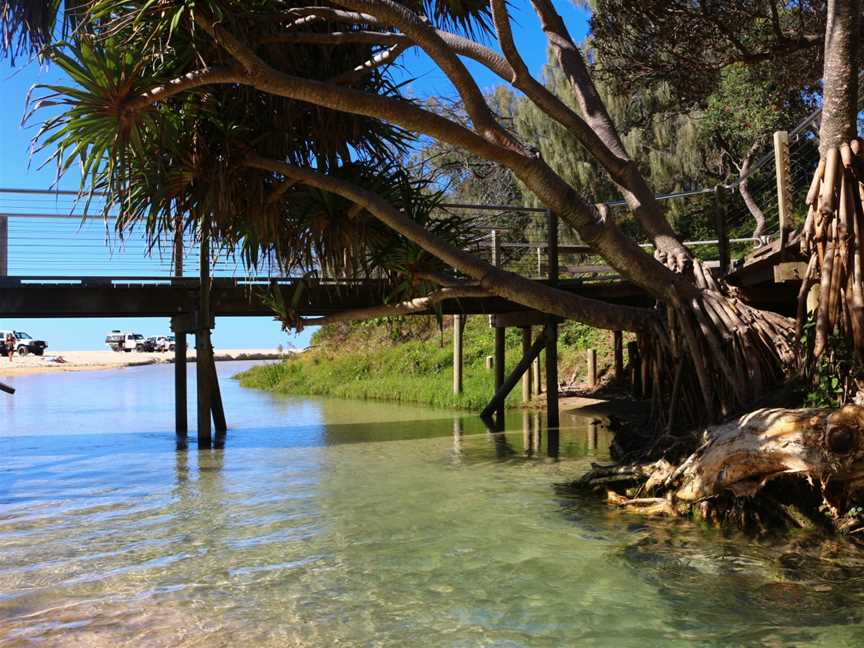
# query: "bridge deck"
[[60, 296]]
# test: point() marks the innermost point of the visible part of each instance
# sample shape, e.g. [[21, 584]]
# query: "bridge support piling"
[[203, 386], [506, 386], [526, 377], [538, 376], [181, 419], [499, 371], [551, 335], [203, 348], [216, 407], [552, 420], [618, 345], [458, 324]]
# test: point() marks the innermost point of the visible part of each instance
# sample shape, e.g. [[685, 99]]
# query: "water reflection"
[[335, 522]]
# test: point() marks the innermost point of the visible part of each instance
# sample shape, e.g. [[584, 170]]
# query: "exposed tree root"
[[771, 466]]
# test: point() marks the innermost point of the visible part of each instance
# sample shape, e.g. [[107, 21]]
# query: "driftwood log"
[[823, 448]]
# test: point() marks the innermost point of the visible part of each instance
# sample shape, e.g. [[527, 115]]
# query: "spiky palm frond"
[[29, 26]]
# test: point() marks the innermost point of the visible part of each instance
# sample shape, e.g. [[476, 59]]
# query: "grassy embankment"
[[410, 360]]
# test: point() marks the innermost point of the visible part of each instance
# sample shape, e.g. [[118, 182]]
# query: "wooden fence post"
[[784, 183]]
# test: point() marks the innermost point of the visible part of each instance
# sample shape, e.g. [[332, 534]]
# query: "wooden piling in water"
[[181, 419], [551, 333], [216, 408], [504, 388], [203, 348], [180, 327], [499, 368]]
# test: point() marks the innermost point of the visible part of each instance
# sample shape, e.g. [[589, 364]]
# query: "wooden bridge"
[[35, 282]]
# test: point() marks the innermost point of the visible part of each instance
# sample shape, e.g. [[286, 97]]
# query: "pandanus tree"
[[257, 74], [255, 68], [228, 112]]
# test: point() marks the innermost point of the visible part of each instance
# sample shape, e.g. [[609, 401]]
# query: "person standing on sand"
[[10, 345]]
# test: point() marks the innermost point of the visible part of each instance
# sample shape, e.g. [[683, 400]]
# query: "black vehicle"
[[24, 344]]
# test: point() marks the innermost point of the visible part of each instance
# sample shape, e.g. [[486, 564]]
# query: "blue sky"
[[238, 332]]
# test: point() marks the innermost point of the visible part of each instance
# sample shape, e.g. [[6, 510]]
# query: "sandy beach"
[[57, 361]]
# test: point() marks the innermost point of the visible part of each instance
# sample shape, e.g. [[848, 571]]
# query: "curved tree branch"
[[505, 284], [407, 307], [604, 236], [636, 192], [424, 35]]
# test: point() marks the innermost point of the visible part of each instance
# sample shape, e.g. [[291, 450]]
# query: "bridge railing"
[[43, 234]]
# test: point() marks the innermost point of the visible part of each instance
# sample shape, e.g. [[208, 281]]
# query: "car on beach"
[[24, 343], [128, 342], [163, 343]]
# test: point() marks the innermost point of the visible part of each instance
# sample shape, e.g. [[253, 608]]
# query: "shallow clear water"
[[327, 522]]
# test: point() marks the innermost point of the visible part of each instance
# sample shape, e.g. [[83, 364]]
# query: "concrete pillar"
[[592, 367], [618, 344]]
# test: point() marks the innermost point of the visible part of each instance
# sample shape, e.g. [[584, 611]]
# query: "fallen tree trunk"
[[822, 449]]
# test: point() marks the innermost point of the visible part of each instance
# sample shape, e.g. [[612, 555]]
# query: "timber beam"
[[497, 402]]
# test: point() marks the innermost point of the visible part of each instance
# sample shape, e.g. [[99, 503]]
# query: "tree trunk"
[[744, 190], [833, 232], [840, 79]]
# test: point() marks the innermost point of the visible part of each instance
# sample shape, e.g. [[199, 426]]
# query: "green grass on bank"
[[410, 360]]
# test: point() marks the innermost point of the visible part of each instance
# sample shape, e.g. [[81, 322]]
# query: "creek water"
[[330, 522]]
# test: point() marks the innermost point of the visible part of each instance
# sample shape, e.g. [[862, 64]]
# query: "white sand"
[[54, 361]]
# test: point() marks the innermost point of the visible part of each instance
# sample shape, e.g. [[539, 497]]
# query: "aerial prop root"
[[709, 357], [833, 236]]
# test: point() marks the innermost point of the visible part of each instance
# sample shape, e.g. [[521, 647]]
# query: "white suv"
[[122, 341]]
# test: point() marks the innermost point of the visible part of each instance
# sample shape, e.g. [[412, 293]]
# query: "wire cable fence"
[[46, 234]]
